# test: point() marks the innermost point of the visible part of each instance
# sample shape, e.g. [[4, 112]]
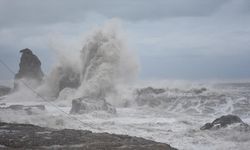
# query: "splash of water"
[[102, 64]]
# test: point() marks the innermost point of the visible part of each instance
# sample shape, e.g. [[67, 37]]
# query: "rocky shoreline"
[[27, 136]]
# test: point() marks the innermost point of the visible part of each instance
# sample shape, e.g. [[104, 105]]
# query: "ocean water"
[[168, 111], [173, 116]]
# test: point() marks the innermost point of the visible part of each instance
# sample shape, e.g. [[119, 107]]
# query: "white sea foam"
[[171, 111]]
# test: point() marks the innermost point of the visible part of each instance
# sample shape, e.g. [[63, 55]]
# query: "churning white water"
[[166, 111], [103, 63]]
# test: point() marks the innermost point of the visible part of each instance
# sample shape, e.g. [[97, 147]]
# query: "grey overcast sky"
[[174, 39]]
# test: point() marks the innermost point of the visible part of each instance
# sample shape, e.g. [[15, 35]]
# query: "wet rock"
[[26, 136], [4, 90], [29, 67], [223, 121], [86, 105], [150, 90], [31, 109]]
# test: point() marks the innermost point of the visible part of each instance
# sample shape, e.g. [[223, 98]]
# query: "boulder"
[[4, 90], [223, 121], [86, 105], [26, 136], [29, 67]]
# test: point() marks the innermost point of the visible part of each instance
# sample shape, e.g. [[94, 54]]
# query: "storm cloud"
[[27, 12], [172, 38]]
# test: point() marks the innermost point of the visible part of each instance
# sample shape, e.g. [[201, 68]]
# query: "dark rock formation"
[[30, 66], [86, 105], [25, 136], [4, 90], [223, 121], [31, 109], [150, 90]]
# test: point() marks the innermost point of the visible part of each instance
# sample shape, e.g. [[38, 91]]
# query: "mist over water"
[[104, 62], [103, 67]]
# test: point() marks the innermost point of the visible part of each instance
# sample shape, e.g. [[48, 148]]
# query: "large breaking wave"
[[100, 69], [103, 63]]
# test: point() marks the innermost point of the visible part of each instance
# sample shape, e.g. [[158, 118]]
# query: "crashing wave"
[[103, 63]]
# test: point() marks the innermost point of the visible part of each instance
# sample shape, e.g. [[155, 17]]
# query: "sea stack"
[[29, 67]]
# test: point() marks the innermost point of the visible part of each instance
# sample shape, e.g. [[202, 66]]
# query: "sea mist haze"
[[162, 70]]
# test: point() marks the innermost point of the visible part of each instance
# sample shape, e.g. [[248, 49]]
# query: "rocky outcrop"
[[25, 136], [4, 90], [29, 67], [149, 90], [86, 105], [223, 121]]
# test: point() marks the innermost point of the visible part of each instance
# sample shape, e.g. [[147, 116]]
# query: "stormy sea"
[[96, 88]]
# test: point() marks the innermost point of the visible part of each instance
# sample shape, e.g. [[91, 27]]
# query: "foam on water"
[[171, 121], [169, 111], [199, 100]]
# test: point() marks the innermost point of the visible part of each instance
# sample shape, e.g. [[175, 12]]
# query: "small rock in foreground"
[[223, 121]]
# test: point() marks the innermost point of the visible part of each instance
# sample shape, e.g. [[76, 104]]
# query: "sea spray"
[[63, 75], [103, 66], [103, 62], [98, 68]]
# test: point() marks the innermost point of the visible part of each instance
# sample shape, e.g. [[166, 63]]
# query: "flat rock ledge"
[[26, 136]]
